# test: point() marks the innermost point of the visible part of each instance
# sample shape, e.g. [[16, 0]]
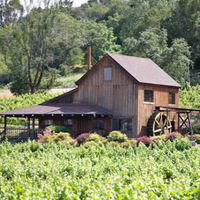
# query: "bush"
[[89, 143], [104, 141], [93, 137], [54, 138], [134, 143], [182, 144], [145, 140], [196, 128], [62, 137], [172, 136], [57, 129], [126, 144], [117, 136], [158, 137], [197, 138], [82, 138]]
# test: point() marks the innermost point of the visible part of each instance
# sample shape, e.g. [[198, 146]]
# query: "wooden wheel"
[[158, 124]]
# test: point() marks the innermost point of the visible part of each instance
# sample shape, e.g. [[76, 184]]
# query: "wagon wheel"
[[158, 124]]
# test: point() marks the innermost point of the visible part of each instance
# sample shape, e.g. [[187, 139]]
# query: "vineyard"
[[166, 170], [23, 101]]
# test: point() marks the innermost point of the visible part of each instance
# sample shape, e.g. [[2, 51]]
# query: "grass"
[[68, 81]]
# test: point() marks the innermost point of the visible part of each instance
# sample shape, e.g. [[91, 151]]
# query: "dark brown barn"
[[118, 93]]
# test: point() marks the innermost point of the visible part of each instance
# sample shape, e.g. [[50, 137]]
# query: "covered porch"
[[76, 117]]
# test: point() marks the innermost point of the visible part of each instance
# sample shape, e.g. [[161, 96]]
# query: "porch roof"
[[57, 109]]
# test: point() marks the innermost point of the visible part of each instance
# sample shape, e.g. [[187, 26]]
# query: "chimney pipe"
[[88, 57]]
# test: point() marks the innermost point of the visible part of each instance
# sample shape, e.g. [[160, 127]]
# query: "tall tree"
[[9, 10], [152, 43], [26, 47]]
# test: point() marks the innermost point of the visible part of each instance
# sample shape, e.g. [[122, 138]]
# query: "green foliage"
[[19, 86], [22, 101], [196, 128], [34, 171], [58, 138], [152, 43], [57, 129], [93, 137], [117, 136], [189, 97]]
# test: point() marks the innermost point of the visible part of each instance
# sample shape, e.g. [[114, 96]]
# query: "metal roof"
[[66, 109]]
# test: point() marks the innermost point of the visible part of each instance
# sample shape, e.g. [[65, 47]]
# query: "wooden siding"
[[63, 100], [81, 124], [119, 95], [161, 98]]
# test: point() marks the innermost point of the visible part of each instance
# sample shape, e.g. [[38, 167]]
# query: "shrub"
[[104, 141], [134, 143], [57, 129], [172, 136], [145, 140], [158, 137], [56, 137], [89, 143], [197, 138], [126, 144], [82, 138], [93, 137], [182, 144], [62, 137], [114, 143], [117, 136], [45, 134], [196, 128]]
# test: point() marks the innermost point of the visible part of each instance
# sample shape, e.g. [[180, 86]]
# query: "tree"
[[184, 23], [152, 43], [9, 11], [26, 48]]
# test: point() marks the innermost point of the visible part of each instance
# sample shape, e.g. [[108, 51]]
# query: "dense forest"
[[38, 45]]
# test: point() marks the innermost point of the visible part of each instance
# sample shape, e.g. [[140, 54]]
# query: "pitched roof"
[[66, 109], [143, 70]]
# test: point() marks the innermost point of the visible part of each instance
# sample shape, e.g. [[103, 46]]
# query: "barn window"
[[48, 122], [148, 95], [124, 125], [68, 122], [107, 74], [171, 98], [98, 124]]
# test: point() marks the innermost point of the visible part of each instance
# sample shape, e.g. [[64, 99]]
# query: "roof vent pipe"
[[88, 57]]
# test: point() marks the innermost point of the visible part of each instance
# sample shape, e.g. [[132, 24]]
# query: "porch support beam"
[[5, 126]]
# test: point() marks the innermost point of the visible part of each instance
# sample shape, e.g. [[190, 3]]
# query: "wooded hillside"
[[37, 47]]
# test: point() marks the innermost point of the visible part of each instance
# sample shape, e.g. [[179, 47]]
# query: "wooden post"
[[5, 127], [33, 126], [28, 123], [189, 122], [178, 122]]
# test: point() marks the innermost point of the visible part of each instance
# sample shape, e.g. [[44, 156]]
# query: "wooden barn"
[[118, 93]]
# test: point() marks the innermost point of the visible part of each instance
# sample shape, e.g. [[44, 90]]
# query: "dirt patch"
[[6, 93]]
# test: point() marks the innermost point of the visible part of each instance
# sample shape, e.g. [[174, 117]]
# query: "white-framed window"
[[107, 74], [148, 96]]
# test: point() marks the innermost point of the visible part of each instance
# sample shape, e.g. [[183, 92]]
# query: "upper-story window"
[[171, 98], [107, 74], [148, 95]]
